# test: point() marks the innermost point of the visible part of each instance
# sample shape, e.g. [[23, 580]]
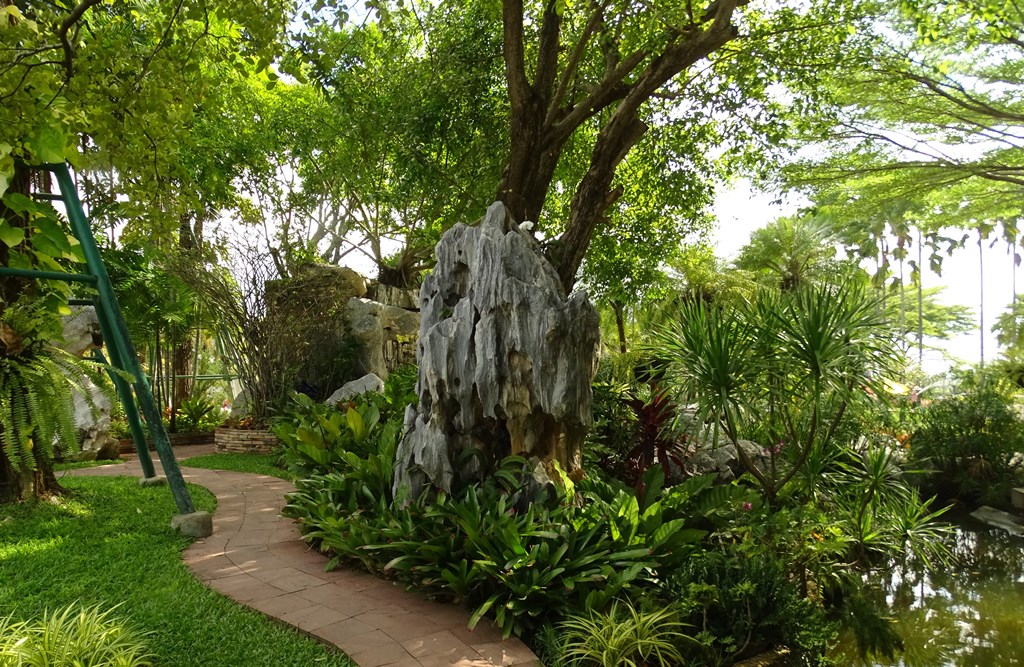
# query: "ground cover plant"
[[109, 544]]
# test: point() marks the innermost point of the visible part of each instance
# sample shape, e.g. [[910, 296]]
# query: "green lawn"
[[111, 543], [263, 464]]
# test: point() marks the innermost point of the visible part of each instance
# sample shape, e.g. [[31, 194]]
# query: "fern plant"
[[37, 410]]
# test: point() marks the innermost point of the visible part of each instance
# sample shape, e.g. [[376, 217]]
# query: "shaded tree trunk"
[[18, 485], [620, 324], [920, 300], [981, 296], [181, 356]]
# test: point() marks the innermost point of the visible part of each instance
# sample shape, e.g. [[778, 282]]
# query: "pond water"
[[969, 615]]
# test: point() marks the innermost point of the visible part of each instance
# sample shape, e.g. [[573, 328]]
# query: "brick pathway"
[[256, 557]]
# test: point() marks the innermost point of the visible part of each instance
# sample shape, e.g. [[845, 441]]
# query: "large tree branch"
[[547, 53], [625, 128], [595, 19], [606, 92], [65, 27], [515, 58], [962, 97]]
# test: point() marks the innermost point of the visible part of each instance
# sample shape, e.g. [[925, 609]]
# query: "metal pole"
[[131, 411], [121, 340]]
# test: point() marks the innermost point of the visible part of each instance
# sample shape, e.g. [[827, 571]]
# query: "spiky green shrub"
[[72, 637], [623, 637]]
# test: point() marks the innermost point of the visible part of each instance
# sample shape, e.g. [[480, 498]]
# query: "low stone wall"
[[244, 441]]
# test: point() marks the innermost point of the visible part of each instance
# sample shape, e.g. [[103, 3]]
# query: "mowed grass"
[[261, 464], [111, 543]]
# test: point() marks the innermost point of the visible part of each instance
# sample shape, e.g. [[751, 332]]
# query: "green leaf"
[[49, 145], [11, 236], [356, 424], [6, 167]]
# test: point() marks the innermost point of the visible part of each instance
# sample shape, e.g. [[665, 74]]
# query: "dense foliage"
[[971, 442]]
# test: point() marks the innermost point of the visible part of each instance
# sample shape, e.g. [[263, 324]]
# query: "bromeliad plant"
[[320, 438], [780, 368], [523, 565]]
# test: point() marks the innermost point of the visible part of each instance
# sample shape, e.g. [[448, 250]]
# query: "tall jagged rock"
[[505, 360], [92, 415]]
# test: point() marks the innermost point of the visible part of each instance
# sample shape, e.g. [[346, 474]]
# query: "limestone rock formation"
[[722, 459], [365, 384], [81, 334], [389, 295], [386, 335], [505, 359], [307, 322]]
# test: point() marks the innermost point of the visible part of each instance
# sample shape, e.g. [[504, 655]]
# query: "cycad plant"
[[780, 368]]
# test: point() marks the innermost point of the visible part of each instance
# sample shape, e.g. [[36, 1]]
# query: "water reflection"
[[968, 615]]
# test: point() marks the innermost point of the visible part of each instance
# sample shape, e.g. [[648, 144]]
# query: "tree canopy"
[[927, 125]]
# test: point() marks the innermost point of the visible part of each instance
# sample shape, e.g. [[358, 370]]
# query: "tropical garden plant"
[[623, 636], [37, 378], [970, 442], [73, 637], [780, 369]]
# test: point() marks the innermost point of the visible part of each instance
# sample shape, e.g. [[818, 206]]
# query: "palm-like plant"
[[794, 251], [782, 365]]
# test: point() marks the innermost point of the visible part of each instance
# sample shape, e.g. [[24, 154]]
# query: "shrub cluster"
[[971, 441], [595, 554]]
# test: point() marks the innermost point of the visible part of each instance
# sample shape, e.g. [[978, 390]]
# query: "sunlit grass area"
[[111, 542], [261, 464]]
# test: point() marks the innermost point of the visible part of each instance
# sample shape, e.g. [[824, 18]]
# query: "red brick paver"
[[256, 557]]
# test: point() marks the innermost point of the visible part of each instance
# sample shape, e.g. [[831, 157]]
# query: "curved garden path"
[[256, 557]]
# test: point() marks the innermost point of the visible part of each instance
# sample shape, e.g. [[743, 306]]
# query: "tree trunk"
[[620, 324], [981, 296], [543, 116], [920, 300], [181, 357], [17, 486], [505, 362]]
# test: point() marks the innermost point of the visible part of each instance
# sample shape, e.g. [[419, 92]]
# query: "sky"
[[740, 209]]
